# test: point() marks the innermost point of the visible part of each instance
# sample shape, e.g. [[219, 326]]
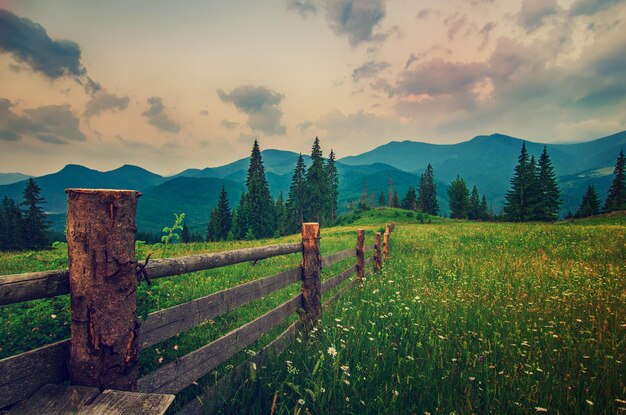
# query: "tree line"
[[313, 195], [24, 225]]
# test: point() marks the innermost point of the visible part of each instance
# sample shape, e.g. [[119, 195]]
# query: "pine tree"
[[261, 215], [382, 200], [395, 201], [473, 211], [522, 200], [534, 199], [590, 205], [427, 198], [240, 218], [484, 210], [184, 234], [458, 198], [550, 195], [616, 197], [223, 215], [211, 229], [281, 214], [295, 198], [317, 192], [333, 186], [410, 199], [35, 223]]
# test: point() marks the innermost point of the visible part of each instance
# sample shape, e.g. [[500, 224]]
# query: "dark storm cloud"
[[355, 19], [533, 13], [368, 70], [50, 123], [158, 118], [440, 77], [303, 7], [261, 106], [104, 101], [29, 43]]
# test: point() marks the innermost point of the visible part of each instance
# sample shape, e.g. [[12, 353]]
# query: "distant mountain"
[[8, 178]]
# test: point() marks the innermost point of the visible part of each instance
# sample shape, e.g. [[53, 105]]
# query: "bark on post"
[[377, 253], [360, 254], [311, 275], [386, 242], [101, 250]]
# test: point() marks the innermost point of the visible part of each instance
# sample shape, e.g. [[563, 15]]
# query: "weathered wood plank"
[[113, 402], [55, 399], [331, 283], [176, 376], [33, 285], [22, 375], [220, 392], [333, 258], [166, 323], [46, 284], [182, 265]]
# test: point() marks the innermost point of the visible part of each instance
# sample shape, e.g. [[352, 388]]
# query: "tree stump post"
[[311, 275], [360, 254], [102, 268], [377, 253], [386, 242]]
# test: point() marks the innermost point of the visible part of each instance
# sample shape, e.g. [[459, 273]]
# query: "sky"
[[176, 85]]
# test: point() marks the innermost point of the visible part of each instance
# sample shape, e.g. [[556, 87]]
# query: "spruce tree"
[[550, 194], [484, 210], [317, 192], [382, 200], [184, 234], [211, 230], [240, 218], [427, 198], [534, 199], [590, 205], [295, 198], [281, 214], [410, 199], [223, 215], [458, 198], [333, 186], [521, 201], [395, 201], [261, 215], [35, 224], [616, 197], [473, 211]]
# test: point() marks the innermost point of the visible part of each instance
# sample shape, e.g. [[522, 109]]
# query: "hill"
[[8, 178]]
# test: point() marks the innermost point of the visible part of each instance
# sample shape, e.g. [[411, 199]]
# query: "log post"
[[386, 242], [360, 254], [377, 253], [101, 249], [311, 275]]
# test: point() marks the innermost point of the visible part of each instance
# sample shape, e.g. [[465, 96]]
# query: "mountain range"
[[486, 161]]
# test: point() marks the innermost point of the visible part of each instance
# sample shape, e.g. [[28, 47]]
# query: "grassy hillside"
[[465, 317]]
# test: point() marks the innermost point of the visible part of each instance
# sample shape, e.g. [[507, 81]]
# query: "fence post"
[[360, 255], [311, 275], [101, 250], [377, 253], [386, 241]]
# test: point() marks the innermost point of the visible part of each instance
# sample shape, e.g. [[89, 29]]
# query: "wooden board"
[[332, 259], [23, 374], [166, 323], [33, 285], [210, 400], [55, 399], [176, 376], [331, 283]]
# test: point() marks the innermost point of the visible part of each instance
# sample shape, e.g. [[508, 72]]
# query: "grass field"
[[465, 318]]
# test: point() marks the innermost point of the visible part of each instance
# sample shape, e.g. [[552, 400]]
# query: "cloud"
[[355, 19], [54, 124], [533, 12], [260, 104], [104, 101], [455, 23], [591, 7], [485, 33], [303, 126], [229, 124], [204, 113], [303, 7], [424, 13], [368, 70], [157, 117], [29, 43]]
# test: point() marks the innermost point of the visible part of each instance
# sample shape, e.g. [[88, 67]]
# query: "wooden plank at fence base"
[[166, 323], [331, 283], [176, 376], [22, 375], [33, 285], [184, 265], [332, 259], [219, 393], [345, 288]]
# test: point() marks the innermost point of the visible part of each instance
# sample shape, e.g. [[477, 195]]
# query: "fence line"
[[104, 269]]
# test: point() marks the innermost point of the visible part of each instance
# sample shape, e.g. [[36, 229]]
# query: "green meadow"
[[465, 318]]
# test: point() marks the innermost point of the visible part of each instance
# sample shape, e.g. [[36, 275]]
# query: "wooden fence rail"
[[22, 375]]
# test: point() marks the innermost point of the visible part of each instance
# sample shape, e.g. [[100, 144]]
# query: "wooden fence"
[[106, 335]]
